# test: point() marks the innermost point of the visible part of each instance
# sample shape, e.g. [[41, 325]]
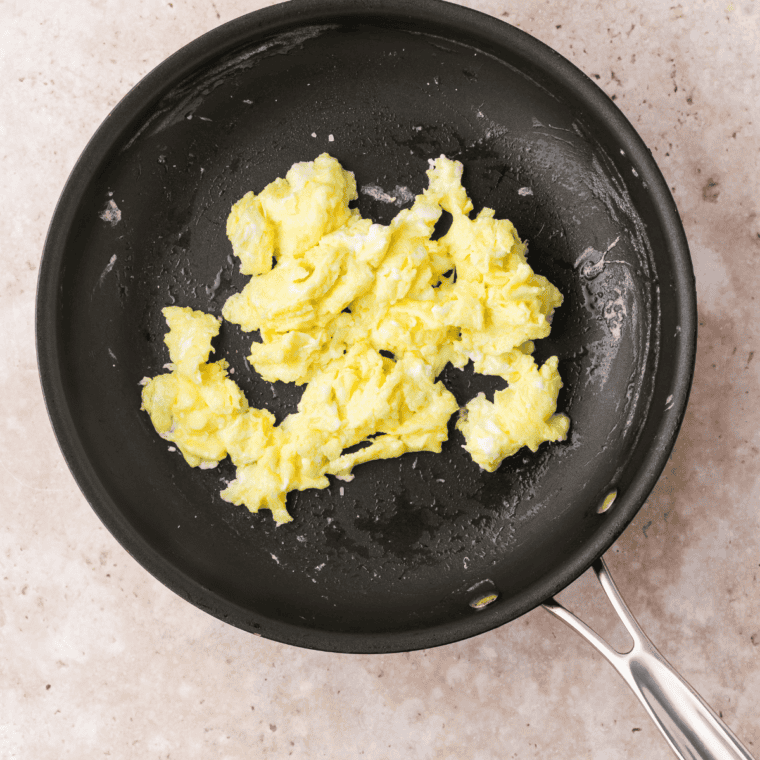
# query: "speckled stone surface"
[[98, 659]]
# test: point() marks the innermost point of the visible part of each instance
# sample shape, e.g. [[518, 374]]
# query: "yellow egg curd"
[[366, 316]]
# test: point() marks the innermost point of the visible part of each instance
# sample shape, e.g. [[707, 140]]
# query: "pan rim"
[[246, 30]]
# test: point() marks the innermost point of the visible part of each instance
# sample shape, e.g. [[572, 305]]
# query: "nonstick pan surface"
[[392, 560]]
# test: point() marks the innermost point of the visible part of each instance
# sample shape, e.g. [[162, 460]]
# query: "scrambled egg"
[[366, 316]]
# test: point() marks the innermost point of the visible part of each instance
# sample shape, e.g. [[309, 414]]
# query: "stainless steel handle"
[[690, 726]]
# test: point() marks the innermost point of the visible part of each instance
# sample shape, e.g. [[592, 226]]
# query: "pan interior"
[[402, 548]]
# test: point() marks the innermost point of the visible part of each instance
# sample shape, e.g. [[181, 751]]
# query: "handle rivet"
[[482, 601], [607, 502]]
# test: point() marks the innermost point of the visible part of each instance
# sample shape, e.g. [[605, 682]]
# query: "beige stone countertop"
[[99, 659]]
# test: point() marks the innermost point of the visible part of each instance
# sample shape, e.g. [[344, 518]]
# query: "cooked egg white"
[[366, 316]]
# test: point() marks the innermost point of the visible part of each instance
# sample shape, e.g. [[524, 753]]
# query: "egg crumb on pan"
[[365, 316]]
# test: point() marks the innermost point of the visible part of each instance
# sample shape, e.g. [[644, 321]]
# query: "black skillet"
[[395, 559]]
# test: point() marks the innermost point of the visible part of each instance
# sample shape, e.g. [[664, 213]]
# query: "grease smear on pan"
[[365, 316]]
